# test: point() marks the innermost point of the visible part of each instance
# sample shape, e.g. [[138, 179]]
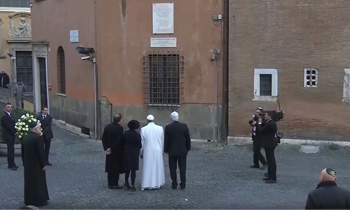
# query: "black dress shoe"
[[254, 166], [266, 175], [126, 186], [14, 168], [271, 181], [49, 164], [132, 188], [266, 179]]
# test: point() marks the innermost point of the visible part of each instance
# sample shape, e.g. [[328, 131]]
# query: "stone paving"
[[218, 177]]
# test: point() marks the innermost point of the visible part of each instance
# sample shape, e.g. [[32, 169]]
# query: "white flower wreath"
[[22, 125]]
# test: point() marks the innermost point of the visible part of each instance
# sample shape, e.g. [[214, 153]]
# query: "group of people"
[[327, 195], [264, 130], [35, 153], [124, 149]]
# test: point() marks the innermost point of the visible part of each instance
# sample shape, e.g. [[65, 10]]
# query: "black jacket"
[[46, 126], [177, 140], [8, 126], [112, 138], [267, 132], [132, 145], [5, 79], [328, 196]]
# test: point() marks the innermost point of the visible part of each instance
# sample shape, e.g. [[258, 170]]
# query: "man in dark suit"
[[9, 135], [112, 140], [328, 195], [46, 122], [267, 130], [177, 143]]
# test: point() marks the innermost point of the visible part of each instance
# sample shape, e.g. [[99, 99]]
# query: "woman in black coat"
[[132, 143]]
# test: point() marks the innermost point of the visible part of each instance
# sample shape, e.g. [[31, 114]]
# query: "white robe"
[[153, 176]]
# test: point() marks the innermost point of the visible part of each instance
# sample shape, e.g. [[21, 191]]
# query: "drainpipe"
[[218, 118], [96, 97]]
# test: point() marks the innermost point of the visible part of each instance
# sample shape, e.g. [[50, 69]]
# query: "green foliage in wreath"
[[17, 114]]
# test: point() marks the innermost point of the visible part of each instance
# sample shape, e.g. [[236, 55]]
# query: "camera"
[[277, 116]]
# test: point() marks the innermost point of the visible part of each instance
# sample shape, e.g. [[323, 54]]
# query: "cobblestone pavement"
[[218, 177]]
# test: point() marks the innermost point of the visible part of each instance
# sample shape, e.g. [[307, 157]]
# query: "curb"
[[247, 140], [65, 126]]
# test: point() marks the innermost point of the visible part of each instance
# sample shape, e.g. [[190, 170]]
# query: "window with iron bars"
[[61, 71], [163, 76], [14, 3]]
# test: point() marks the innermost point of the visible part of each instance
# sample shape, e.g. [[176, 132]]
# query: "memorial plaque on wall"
[[163, 42], [163, 18]]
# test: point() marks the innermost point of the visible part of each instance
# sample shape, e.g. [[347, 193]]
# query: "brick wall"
[[290, 36]]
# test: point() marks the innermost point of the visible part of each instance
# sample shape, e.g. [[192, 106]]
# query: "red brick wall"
[[290, 36]]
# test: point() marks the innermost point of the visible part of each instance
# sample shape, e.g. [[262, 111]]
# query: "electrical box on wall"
[[217, 17]]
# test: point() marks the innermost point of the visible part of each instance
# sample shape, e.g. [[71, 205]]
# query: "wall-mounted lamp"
[[12, 57]]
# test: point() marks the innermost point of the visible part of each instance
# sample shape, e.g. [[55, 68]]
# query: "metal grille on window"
[[265, 84], [311, 77], [14, 3], [163, 79], [62, 71]]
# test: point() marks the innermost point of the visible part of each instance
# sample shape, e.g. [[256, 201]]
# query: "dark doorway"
[[24, 69], [43, 84]]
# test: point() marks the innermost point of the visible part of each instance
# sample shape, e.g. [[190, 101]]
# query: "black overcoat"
[[33, 156], [328, 195], [113, 138], [177, 140], [46, 126], [132, 142], [8, 127], [267, 134]]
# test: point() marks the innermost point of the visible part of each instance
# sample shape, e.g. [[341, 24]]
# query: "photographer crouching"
[[257, 156], [267, 129]]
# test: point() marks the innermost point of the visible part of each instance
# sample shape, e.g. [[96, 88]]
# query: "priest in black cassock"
[[112, 140], [34, 161]]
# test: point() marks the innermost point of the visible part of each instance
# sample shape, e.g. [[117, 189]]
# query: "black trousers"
[[113, 178], [257, 156], [47, 148], [271, 163], [11, 152], [173, 162], [133, 177]]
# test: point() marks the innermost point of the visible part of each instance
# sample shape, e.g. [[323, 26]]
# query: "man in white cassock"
[[152, 135]]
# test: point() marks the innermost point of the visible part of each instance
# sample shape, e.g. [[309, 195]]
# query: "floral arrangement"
[[22, 125]]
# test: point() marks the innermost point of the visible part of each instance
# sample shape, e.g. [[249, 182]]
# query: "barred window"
[[162, 79], [61, 71], [14, 3], [265, 84], [310, 77]]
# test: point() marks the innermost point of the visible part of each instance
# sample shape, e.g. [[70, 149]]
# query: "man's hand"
[[108, 151], [44, 168]]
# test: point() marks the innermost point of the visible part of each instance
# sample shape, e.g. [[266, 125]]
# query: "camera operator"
[[257, 156], [267, 130]]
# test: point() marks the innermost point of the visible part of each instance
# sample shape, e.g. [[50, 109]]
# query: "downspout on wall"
[[225, 57]]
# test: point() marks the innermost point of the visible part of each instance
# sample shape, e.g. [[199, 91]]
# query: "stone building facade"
[[296, 51], [15, 47], [152, 57]]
